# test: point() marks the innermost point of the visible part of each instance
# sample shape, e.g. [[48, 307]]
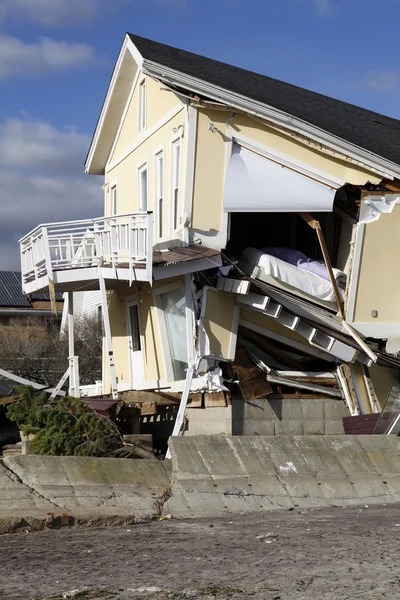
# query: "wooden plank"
[[9, 400], [252, 381], [195, 400], [214, 400], [148, 408], [316, 225], [298, 396], [144, 396]]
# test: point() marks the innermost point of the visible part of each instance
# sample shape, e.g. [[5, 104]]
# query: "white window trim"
[[174, 141], [113, 184], [142, 105], [139, 169], [157, 153]]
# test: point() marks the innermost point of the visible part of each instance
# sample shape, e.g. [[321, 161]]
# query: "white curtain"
[[255, 184]]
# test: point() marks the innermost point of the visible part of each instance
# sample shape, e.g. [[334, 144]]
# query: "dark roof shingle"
[[11, 292], [364, 128]]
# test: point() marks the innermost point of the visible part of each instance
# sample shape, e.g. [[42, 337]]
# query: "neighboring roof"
[[11, 292], [366, 129]]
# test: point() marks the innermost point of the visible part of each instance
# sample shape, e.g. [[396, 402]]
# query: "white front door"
[[135, 346]]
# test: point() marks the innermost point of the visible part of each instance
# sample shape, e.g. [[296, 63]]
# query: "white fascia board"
[[385, 167], [137, 57]]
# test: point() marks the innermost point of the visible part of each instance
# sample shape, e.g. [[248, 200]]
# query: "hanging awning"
[[255, 183]]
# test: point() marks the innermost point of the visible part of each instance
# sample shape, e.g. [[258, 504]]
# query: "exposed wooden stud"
[[314, 224]]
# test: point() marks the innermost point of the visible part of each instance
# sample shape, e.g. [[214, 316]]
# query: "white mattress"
[[255, 264]]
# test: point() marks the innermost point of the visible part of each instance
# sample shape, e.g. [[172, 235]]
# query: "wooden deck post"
[[72, 359]]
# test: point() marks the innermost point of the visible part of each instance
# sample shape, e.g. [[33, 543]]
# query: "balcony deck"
[[74, 254]]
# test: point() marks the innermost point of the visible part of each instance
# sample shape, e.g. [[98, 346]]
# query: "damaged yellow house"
[[239, 212]]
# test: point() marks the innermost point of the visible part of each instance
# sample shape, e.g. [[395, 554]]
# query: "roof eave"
[[379, 164], [127, 46]]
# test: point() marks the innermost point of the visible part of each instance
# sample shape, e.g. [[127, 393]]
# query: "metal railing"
[[116, 241]]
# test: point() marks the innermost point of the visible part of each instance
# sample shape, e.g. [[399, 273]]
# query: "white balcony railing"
[[121, 241]]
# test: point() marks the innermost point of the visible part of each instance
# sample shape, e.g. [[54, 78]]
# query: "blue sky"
[[56, 59]]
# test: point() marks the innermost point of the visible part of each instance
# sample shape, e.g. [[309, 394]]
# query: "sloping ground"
[[215, 475]]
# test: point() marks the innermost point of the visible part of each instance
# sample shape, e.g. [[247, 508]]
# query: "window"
[[142, 105], [173, 306], [113, 200], [159, 203], [176, 173], [136, 344], [143, 187]]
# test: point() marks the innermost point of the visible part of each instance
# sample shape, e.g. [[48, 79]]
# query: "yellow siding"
[[117, 312], [125, 174], [378, 282], [159, 104], [152, 348], [218, 321], [209, 172], [153, 352], [382, 380], [211, 161]]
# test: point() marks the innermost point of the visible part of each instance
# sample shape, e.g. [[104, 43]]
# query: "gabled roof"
[[362, 127], [373, 140], [11, 295]]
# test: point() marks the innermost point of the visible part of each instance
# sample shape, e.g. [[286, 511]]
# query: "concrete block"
[[334, 427], [209, 421], [312, 427], [292, 410], [289, 426], [335, 409], [313, 410], [259, 427]]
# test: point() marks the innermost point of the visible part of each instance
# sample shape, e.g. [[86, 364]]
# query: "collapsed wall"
[[215, 475]]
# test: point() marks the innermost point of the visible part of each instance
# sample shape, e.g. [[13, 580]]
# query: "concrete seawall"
[[81, 486], [215, 475], [209, 476]]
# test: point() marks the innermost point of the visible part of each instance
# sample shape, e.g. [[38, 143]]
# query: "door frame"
[[138, 384]]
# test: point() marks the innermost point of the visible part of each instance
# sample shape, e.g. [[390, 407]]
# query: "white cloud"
[[42, 58], [52, 13], [62, 13], [323, 8], [326, 8], [383, 81], [42, 179]]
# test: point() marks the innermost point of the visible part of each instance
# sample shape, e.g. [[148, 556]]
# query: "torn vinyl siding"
[[374, 287], [255, 183]]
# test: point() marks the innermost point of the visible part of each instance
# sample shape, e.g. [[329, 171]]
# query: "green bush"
[[63, 427]]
